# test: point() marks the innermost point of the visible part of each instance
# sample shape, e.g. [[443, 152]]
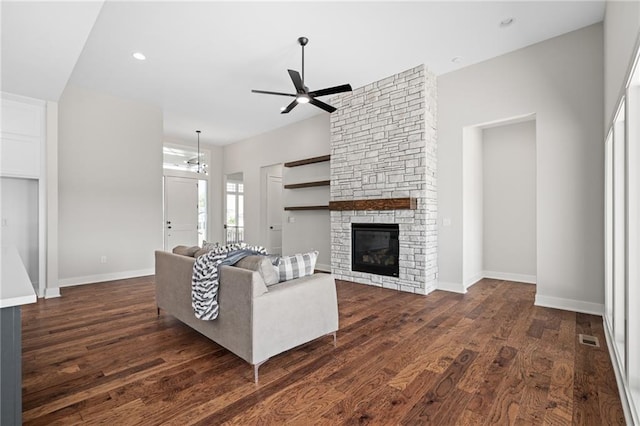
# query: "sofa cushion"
[[201, 252], [298, 265], [186, 251], [263, 265]]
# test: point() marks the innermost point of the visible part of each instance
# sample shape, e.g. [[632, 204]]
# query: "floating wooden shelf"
[[293, 208], [375, 204], [306, 161], [307, 184]]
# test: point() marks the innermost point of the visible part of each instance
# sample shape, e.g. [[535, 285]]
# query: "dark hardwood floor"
[[100, 354]]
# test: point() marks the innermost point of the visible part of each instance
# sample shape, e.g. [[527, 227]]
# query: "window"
[[234, 224]]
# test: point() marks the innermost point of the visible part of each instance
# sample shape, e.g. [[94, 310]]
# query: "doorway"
[[181, 211], [234, 217], [182, 206], [499, 201], [272, 209]]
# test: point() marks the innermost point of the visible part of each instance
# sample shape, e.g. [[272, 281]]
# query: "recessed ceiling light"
[[456, 59], [139, 56], [506, 22]]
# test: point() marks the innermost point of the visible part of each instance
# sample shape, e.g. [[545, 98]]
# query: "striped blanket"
[[204, 281]]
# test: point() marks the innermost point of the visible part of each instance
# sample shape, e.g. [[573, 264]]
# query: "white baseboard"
[[569, 305], [90, 279], [322, 267], [452, 287], [508, 276], [50, 293], [471, 281], [630, 413]]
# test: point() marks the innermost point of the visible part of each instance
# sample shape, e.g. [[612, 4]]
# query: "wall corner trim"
[[452, 287], [50, 293], [569, 305]]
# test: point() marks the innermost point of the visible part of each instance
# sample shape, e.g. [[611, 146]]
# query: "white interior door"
[[274, 214], [180, 212]]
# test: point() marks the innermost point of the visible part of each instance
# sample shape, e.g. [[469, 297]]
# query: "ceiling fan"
[[303, 95]]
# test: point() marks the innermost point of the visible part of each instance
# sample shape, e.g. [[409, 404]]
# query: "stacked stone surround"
[[384, 145]]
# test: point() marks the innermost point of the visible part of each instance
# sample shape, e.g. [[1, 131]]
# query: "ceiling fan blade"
[[289, 107], [331, 90], [297, 81], [322, 105], [266, 92]]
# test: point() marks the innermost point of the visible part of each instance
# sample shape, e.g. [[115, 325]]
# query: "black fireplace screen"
[[375, 248]]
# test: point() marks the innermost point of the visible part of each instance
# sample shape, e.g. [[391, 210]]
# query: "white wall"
[[509, 189], [110, 186], [472, 201], [304, 139], [560, 80], [216, 194], [20, 220], [621, 30]]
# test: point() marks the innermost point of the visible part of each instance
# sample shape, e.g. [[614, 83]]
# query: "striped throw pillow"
[[298, 265]]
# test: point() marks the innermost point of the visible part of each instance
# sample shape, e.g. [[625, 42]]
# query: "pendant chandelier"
[[200, 167]]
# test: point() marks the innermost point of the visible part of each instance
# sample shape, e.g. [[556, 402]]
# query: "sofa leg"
[[255, 370], [335, 339], [158, 310]]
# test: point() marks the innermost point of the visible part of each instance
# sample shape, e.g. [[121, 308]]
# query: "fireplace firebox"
[[375, 248]]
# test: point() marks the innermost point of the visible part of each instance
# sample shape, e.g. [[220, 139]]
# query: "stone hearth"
[[384, 145]]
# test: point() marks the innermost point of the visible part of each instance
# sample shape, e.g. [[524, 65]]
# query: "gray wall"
[[509, 199], [110, 186], [304, 139], [560, 80]]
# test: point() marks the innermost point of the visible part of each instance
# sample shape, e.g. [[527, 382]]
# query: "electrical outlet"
[[103, 259]]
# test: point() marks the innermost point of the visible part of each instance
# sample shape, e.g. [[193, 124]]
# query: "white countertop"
[[15, 285]]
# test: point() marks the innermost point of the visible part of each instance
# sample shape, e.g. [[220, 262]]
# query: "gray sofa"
[[255, 322]]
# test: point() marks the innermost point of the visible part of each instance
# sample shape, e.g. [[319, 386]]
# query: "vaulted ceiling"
[[204, 57]]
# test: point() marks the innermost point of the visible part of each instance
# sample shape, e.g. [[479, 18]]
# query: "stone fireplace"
[[383, 172]]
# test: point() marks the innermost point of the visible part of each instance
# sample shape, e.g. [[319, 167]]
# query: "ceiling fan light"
[[303, 99]]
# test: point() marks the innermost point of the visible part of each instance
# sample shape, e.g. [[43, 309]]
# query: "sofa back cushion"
[[186, 251], [263, 265]]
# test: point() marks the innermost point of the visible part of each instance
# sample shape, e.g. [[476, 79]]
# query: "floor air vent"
[[589, 340]]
